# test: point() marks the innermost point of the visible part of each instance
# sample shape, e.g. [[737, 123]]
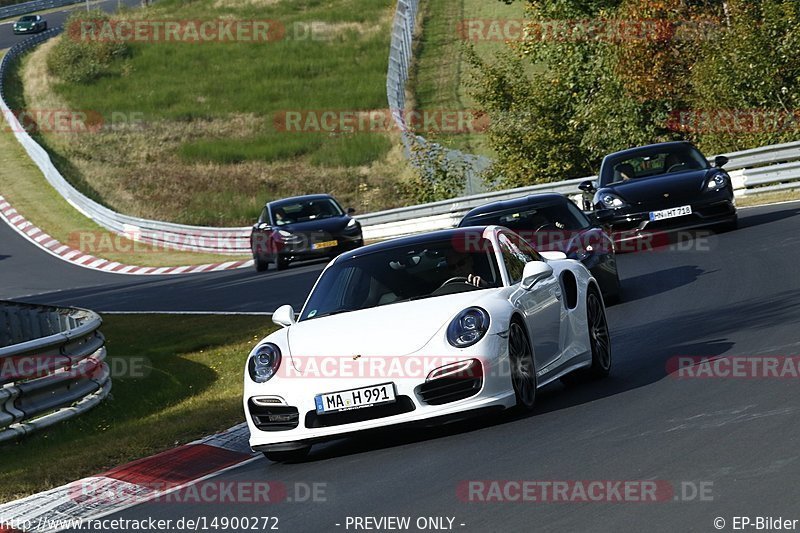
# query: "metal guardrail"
[[400, 56], [178, 236], [763, 169], [32, 7], [52, 366]]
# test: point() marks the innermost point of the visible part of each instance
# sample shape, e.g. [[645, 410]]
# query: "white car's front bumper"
[[298, 392]]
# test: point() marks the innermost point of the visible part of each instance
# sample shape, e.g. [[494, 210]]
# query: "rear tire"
[[523, 369], [288, 455], [599, 341], [615, 296]]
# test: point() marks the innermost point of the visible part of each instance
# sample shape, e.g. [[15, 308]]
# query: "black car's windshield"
[[544, 216], [293, 211], [657, 161], [28, 18], [403, 273]]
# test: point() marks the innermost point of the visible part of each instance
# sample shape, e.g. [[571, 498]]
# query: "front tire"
[[731, 225], [288, 456], [259, 264], [281, 263], [523, 369]]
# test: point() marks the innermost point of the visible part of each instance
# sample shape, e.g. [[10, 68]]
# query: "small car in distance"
[[552, 222], [30, 24], [662, 187], [422, 329], [302, 227]]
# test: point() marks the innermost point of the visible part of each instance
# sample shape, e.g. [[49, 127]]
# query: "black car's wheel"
[[259, 264], [523, 370], [599, 341], [731, 225], [615, 295], [44, 28], [281, 263], [288, 455]]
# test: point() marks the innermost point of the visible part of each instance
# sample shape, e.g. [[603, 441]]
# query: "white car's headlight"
[[264, 363], [717, 182], [612, 201], [468, 327]]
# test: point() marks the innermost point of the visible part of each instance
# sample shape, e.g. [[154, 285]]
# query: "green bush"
[[81, 60], [590, 97]]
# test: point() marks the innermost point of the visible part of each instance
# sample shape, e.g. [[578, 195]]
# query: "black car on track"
[[552, 222], [302, 227], [661, 188]]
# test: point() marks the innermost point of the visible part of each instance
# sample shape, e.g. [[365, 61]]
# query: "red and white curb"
[[128, 485], [52, 246]]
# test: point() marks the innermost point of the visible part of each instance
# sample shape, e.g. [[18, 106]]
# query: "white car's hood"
[[389, 330]]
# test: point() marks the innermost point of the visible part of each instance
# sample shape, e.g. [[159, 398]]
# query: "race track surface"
[[57, 18], [735, 294]]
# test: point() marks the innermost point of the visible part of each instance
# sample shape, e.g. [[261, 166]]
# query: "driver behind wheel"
[[462, 265]]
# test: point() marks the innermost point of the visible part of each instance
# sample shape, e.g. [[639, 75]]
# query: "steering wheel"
[[675, 166], [463, 279]]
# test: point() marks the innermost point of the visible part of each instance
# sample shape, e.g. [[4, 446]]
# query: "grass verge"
[[440, 66], [192, 387], [24, 186], [768, 198], [192, 132]]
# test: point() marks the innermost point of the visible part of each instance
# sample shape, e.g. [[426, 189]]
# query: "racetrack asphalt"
[[734, 294], [57, 18]]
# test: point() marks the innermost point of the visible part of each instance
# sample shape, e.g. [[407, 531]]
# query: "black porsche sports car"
[[660, 188], [303, 227], [552, 222]]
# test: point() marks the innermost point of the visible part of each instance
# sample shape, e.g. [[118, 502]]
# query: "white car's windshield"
[[403, 273]]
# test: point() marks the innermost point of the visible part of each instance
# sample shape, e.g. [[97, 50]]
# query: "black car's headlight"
[[353, 225], [611, 201], [716, 182], [264, 363], [468, 327]]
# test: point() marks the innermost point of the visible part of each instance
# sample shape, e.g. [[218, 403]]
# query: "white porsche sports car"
[[421, 329]]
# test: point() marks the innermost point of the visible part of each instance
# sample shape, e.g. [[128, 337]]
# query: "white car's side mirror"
[[284, 316], [534, 272]]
